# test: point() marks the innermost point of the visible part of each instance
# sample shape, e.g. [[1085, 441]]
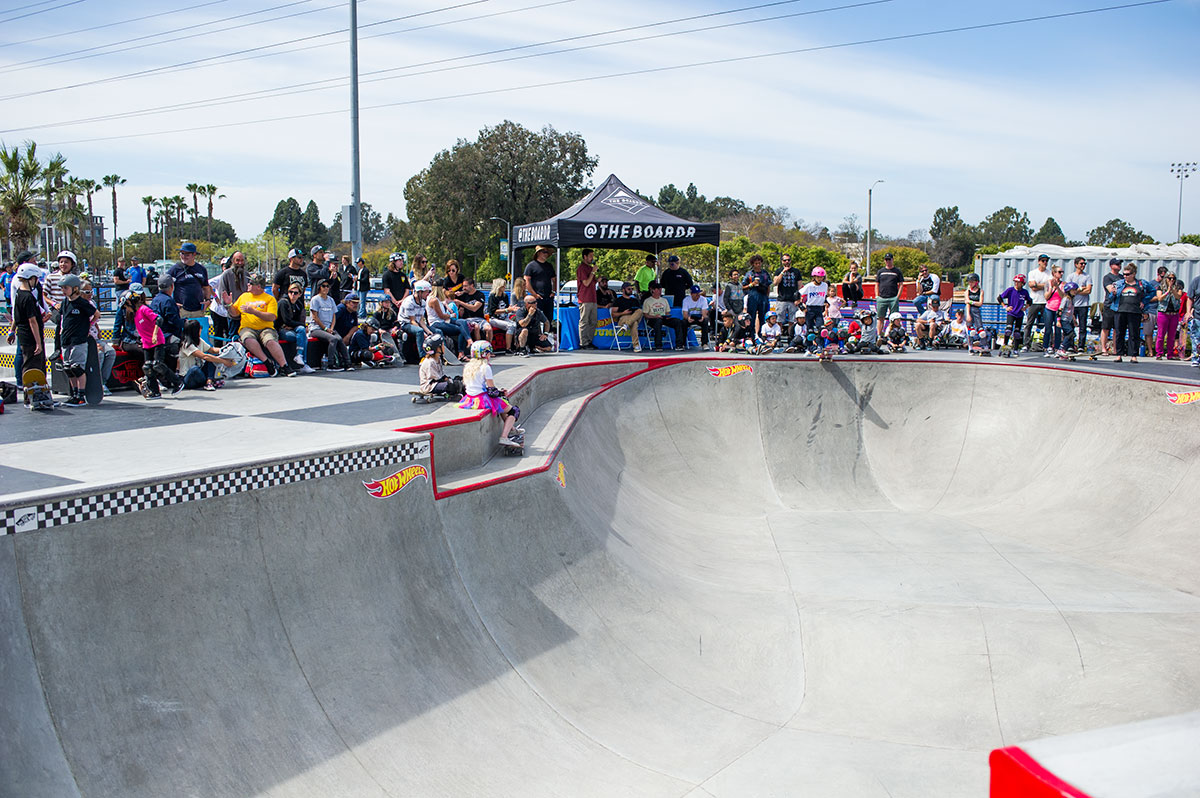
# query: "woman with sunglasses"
[[1129, 299], [292, 331]]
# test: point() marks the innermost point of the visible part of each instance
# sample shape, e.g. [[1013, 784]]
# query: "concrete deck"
[[854, 579]]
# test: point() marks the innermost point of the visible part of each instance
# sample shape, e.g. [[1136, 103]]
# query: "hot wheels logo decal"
[[729, 371], [1185, 398], [390, 486]]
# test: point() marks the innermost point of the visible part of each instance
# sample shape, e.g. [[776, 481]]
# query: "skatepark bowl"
[[846, 579]]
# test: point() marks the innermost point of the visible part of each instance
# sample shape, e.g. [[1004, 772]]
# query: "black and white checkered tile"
[[89, 507]]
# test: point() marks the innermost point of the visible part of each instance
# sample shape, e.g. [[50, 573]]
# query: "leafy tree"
[[850, 231], [286, 220], [909, 259], [112, 181], [21, 172], [509, 171], [945, 221], [955, 250], [1006, 224], [310, 232], [1190, 238], [1050, 233], [1116, 232], [373, 227]]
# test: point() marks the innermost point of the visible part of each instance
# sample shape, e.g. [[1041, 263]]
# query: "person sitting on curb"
[[626, 313], [386, 323], [896, 336], [531, 329], [469, 301], [482, 393], [771, 332], [432, 372], [413, 318], [695, 314], [930, 324], [256, 311], [324, 319], [198, 359], [291, 327], [500, 312], [657, 312], [730, 333]]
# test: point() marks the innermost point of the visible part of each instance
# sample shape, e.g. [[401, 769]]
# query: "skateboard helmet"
[[422, 285], [818, 272], [895, 316], [481, 349], [974, 278], [1072, 286], [812, 336], [433, 343], [1020, 278], [843, 333], [772, 314]]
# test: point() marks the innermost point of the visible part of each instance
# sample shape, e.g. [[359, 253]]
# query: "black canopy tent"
[[613, 217]]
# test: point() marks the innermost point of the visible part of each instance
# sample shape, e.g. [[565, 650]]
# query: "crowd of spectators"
[[311, 314]]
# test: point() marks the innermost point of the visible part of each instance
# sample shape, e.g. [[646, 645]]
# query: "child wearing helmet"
[[814, 294], [1015, 298], [482, 394], [930, 323], [896, 336], [771, 331], [432, 371]]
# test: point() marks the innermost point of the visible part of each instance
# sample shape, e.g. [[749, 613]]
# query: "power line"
[[31, 5], [60, 34], [636, 72], [42, 11], [90, 52], [199, 61], [302, 88]]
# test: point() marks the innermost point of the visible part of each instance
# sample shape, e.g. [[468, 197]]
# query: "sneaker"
[[299, 361], [518, 431], [106, 391], [208, 386], [522, 353], [307, 369], [512, 440], [703, 347], [272, 369], [637, 347], [178, 387], [75, 401], [348, 368], [154, 396]]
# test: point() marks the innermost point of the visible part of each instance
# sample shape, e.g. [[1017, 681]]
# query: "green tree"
[[209, 191], [909, 259], [1190, 238], [508, 171], [194, 190], [1006, 224], [1116, 232], [89, 188], [945, 222], [850, 231], [311, 232], [286, 220], [112, 181], [22, 171], [955, 250], [1050, 233]]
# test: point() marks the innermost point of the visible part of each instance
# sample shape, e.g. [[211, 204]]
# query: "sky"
[[801, 104]]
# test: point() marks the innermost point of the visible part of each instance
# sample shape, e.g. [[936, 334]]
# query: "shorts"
[[1149, 324], [475, 323], [76, 354], [265, 336], [885, 306], [1108, 318]]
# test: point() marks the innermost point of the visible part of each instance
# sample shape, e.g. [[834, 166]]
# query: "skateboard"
[[94, 389], [37, 392], [826, 355], [419, 398], [1007, 351]]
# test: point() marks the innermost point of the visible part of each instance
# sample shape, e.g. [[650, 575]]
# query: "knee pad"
[[73, 370]]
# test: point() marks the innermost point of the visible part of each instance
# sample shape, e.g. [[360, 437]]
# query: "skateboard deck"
[[37, 392], [94, 390], [419, 398]]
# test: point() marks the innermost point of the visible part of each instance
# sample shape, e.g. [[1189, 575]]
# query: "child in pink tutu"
[[482, 393]]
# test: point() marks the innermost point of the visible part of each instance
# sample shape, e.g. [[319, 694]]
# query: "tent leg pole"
[[557, 314]]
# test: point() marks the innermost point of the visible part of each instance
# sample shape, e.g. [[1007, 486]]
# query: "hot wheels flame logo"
[[729, 371], [1185, 398], [390, 486], [561, 476]]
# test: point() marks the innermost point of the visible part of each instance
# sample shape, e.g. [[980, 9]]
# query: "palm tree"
[[90, 187], [112, 181], [53, 174], [18, 193], [69, 213], [149, 203], [194, 188], [210, 191]]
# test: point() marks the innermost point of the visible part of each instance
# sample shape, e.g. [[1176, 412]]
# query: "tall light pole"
[[1182, 171], [508, 226], [356, 246], [869, 192]]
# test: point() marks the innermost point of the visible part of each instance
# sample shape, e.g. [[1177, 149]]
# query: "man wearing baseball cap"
[[675, 281], [888, 280], [291, 274], [540, 279], [316, 269], [191, 291]]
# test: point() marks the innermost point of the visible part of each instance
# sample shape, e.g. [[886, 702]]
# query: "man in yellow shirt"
[[257, 311]]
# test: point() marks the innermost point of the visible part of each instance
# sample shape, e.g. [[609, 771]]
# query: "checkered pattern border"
[[90, 507]]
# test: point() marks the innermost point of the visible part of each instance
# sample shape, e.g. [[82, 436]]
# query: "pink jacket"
[[146, 323]]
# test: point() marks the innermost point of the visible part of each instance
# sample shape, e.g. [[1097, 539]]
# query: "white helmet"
[[422, 285], [895, 315], [66, 253]]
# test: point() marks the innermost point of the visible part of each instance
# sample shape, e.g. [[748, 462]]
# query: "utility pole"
[[868, 252], [356, 244], [1182, 171]]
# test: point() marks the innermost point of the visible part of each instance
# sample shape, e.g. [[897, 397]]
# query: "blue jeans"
[[362, 304], [418, 334], [454, 333], [1081, 324], [297, 337], [920, 302], [1193, 328]]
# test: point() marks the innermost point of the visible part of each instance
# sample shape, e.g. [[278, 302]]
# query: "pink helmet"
[[818, 272]]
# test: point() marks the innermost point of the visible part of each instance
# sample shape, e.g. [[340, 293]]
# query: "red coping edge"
[[658, 363], [1015, 774]]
